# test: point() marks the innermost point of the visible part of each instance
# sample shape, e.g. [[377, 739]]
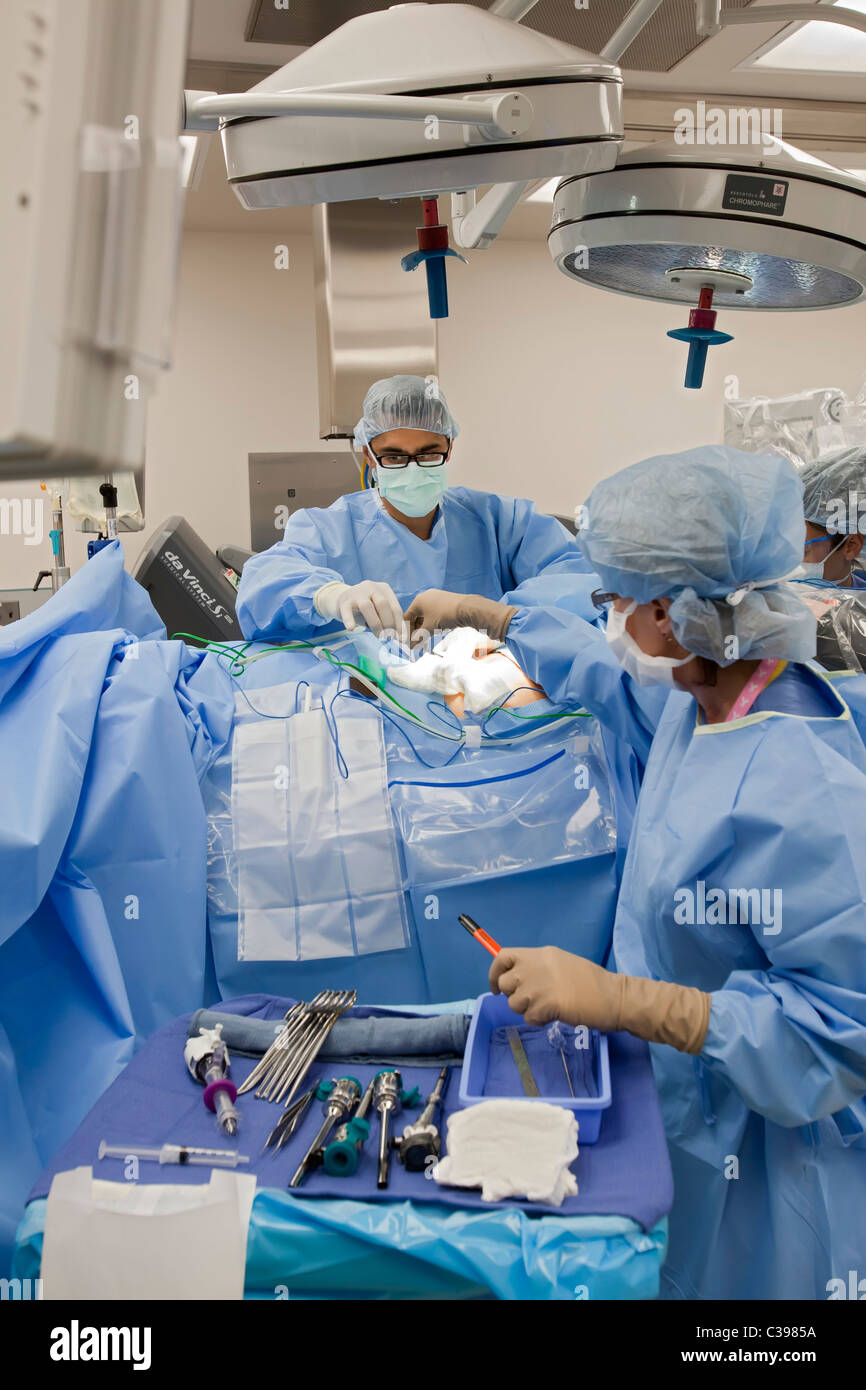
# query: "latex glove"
[[373, 603], [544, 983], [437, 609]]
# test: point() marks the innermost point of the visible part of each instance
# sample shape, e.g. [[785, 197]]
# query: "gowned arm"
[[277, 588], [791, 1038], [571, 660], [536, 548]]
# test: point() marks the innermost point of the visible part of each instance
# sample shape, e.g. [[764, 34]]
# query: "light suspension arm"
[[711, 20], [499, 117], [638, 16], [512, 9], [476, 225]]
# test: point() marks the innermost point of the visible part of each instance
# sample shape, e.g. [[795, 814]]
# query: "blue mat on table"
[[155, 1101]]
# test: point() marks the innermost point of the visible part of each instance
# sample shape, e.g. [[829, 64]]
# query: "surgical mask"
[[814, 569], [412, 490], [645, 669]]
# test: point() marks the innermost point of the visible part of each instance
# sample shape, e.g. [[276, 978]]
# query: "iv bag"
[[82, 502]]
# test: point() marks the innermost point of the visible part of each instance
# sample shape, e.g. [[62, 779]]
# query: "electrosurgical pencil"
[[481, 936]]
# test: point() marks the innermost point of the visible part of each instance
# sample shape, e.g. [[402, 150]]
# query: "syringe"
[[175, 1153]]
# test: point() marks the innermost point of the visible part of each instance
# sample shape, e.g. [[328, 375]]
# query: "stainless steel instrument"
[[342, 1154], [342, 1100], [521, 1060], [280, 1072], [387, 1088], [421, 1141], [289, 1120]]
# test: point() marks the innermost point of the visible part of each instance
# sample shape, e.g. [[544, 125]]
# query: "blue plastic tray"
[[492, 1011]]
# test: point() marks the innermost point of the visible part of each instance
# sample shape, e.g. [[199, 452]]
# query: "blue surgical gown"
[[481, 543], [767, 1127]]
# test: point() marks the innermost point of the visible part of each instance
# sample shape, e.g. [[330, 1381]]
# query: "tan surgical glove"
[[437, 609], [545, 983]]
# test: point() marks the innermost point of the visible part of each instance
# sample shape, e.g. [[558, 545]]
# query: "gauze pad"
[[512, 1148]]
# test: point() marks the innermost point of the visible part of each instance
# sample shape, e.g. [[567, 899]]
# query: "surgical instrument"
[[290, 1020], [342, 1099], [422, 1140], [522, 1061], [293, 1051], [554, 1037], [175, 1153], [387, 1091], [310, 1044], [565, 1068], [341, 1157], [208, 1061], [289, 1120], [481, 936]]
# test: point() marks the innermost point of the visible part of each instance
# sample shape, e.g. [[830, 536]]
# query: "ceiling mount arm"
[[637, 18], [512, 9], [475, 226], [711, 20], [499, 117]]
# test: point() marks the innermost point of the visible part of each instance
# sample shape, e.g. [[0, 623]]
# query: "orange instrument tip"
[[481, 936]]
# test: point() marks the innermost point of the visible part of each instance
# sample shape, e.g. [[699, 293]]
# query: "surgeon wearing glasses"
[[361, 561]]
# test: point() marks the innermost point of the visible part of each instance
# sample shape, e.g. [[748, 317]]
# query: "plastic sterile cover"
[[854, 418], [801, 427], [518, 809], [842, 630], [501, 808]]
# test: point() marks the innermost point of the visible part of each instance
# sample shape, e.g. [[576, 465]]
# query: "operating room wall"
[[555, 385]]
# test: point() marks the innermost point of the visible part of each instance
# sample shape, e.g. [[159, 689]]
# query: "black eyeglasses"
[[393, 458], [602, 600]]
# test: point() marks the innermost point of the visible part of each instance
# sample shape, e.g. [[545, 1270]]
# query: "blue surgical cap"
[[404, 403], [716, 531], [834, 491]]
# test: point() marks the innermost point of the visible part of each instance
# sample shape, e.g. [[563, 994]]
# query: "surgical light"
[[419, 99], [760, 225]]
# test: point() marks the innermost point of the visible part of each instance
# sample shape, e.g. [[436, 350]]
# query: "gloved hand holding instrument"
[[372, 604], [545, 983], [434, 610]]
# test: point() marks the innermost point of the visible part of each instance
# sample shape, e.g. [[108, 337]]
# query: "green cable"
[[567, 714], [240, 653], [349, 666], [239, 657]]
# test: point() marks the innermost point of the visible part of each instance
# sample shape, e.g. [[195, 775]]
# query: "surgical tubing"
[[240, 657], [392, 719], [486, 781]]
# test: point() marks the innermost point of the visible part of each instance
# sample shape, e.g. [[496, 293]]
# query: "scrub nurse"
[[741, 920]]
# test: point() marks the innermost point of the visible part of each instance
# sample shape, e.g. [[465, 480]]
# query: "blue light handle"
[[700, 340]]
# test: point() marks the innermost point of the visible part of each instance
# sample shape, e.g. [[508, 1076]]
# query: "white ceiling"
[[823, 107]]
